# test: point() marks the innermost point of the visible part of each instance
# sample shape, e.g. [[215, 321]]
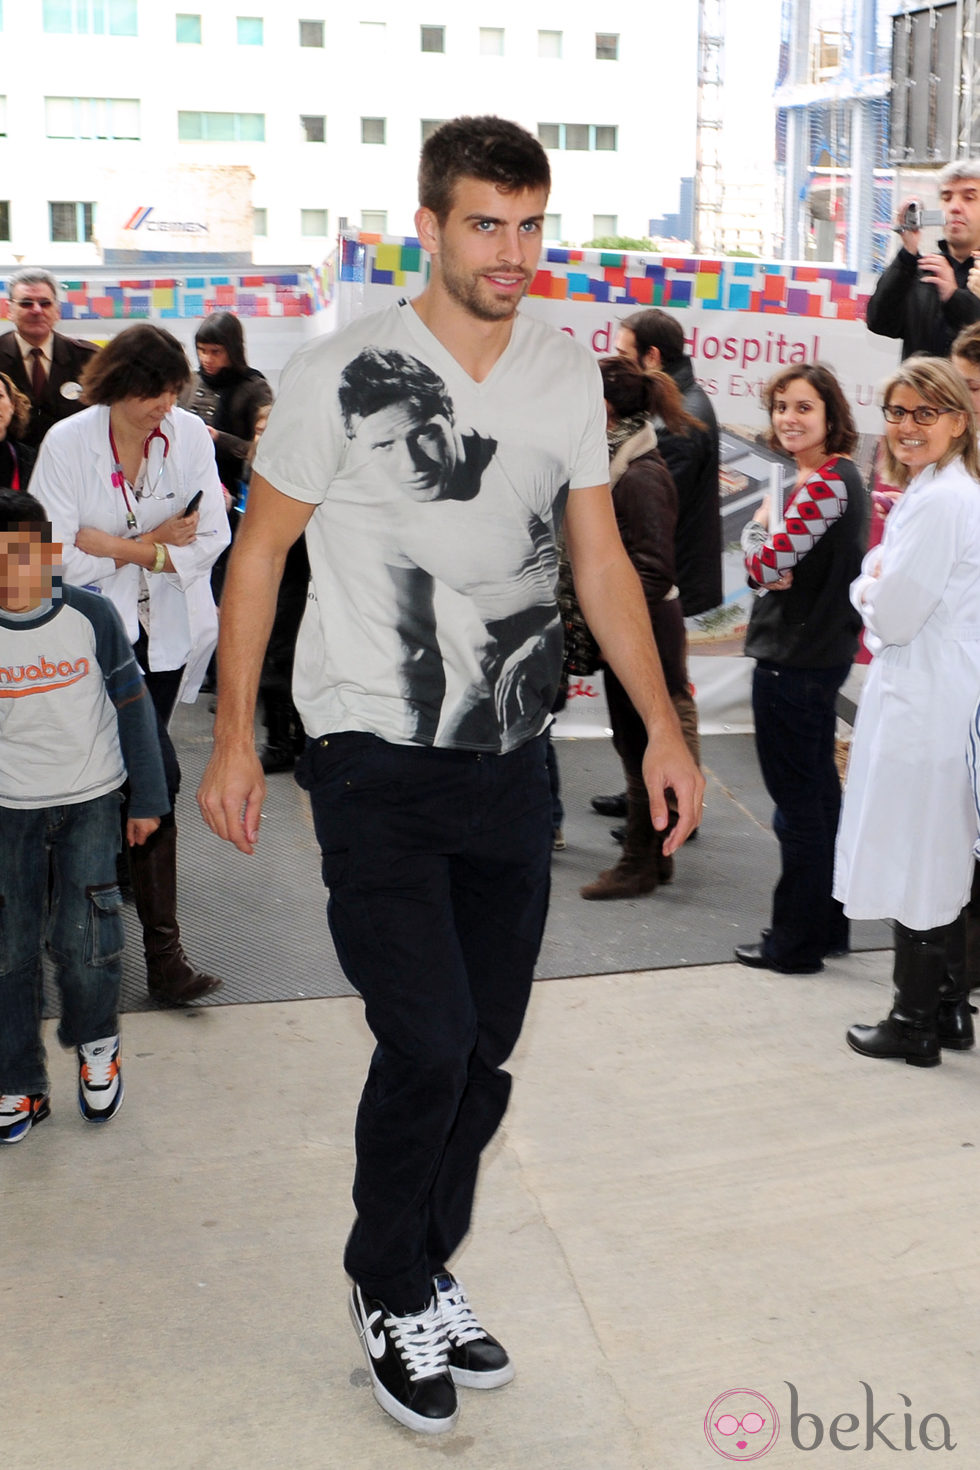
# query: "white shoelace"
[[14, 1102], [421, 1341], [99, 1057], [458, 1318]]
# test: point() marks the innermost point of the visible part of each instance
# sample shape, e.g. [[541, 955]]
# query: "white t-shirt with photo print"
[[433, 546]]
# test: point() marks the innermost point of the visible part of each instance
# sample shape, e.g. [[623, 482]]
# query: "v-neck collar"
[[433, 347]]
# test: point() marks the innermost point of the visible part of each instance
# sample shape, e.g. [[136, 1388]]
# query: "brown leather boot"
[[639, 868], [170, 977]]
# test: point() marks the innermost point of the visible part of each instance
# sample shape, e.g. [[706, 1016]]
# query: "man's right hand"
[[231, 794]]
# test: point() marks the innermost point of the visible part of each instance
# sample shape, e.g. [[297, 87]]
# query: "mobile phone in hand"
[[192, 504]]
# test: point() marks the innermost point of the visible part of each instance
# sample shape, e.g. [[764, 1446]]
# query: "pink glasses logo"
[[741, 1425]]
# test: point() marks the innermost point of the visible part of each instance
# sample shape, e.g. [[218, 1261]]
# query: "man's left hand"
[[668, 765], [937, 269]]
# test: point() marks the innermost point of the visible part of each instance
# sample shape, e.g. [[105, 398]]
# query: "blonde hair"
[[941, 386], [21, 416]]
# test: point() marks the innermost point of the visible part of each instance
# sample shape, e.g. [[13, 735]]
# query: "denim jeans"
[[795, 722], [438, 864], [83, 931]]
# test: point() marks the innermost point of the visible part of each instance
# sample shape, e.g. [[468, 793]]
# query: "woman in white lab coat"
[[905, 847], [132, 490]]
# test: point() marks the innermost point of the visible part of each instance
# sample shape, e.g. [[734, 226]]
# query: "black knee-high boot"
[[909, 1030], [954, 1021]]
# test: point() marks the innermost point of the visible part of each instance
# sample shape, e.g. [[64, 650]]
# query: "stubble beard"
[[465, 291]]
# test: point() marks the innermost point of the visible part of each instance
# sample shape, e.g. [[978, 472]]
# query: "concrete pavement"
[[698, 1189]]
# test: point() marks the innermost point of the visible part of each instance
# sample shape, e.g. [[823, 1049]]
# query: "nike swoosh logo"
[[376, 1344]]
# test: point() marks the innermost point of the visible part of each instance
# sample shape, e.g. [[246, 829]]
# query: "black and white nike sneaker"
[[407, 1359], [476, 1360]]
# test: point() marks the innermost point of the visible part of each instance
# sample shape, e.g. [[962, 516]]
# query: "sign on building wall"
[[200, 214]]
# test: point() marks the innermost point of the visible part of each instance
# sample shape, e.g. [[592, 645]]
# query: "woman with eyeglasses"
[[132, 489], [803, 636], [905, 849]]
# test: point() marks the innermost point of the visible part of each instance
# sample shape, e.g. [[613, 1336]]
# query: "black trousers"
[[795, 722], [438, 865]]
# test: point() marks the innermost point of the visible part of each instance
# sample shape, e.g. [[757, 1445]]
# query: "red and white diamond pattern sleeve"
[[814, 508]]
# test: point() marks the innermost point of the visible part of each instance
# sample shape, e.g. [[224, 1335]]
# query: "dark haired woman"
[[803, 636], [226, 393], [645, 502], [16, 459], [132, 490]]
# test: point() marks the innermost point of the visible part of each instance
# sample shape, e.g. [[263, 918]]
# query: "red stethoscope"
[[142, 487]]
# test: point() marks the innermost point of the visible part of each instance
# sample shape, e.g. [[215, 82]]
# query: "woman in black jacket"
[[645, 502], [803, 635], [227, 394]]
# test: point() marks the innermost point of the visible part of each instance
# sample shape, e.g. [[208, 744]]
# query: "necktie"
[[38, 377]]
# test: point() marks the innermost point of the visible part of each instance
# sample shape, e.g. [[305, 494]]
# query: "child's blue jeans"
[[77, 845]]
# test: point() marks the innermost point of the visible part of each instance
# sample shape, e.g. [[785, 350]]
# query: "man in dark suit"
[[44, 365]]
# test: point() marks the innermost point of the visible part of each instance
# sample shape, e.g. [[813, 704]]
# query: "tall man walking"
[[428, 452]]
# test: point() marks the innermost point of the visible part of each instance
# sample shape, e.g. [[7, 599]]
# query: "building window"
[[551, 229], [491, 41], [260, 222], [313, 222], [374, 221], [314, 128], [429, 125], [311, 33], [89, 17], [604, 225], [221, 127], [549, 45], [4, 219], [374, 36], [188, 30], [249, 30], [606, 46], [92, 117], [433, 38], [372, 129], [579, 137], [71, 222]]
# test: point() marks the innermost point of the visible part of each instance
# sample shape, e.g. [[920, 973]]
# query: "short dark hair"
[[967, 345], [841, 432], [223, 329], [656, 328], [142, 362], [18, 509], [22, 405], [629, 390], [378, 377], [490, 149]]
